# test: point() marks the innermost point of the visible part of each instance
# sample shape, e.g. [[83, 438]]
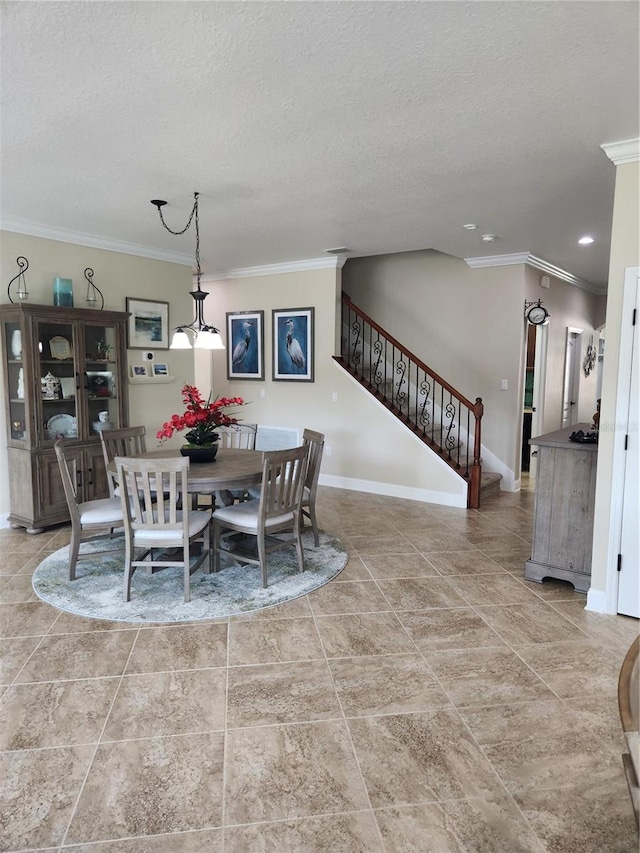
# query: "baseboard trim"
[[393, 490], [597, 601], [4, 520]]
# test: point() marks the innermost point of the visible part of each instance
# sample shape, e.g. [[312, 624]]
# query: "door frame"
[[574, 380], [539, 385], [623, 395]]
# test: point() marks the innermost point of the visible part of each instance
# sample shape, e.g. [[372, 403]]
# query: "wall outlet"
[[334, 397], [263, 393], [504, 385], [327, 450]]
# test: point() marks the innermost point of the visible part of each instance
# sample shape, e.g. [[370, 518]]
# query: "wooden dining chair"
[[87, 516], [154, 522], [277, 510], [315, 442], [236, 437], [129, 441]]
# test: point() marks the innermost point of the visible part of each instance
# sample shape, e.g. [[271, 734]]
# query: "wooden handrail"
[[413, 357]]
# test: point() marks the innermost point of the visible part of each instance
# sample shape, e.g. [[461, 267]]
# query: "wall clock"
[[537, 314]]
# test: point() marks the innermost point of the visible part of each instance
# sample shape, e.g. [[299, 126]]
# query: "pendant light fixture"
[[204, 337]]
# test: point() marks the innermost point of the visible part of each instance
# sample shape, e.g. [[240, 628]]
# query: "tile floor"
[[428, 699]]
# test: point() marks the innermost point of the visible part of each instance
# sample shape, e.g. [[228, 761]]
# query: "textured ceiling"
[[383, 127]]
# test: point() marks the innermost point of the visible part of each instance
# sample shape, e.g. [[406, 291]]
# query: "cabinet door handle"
[[90, 476], [79, 478], [77, 381]]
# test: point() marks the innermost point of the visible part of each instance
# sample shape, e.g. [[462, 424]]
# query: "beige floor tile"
[[356, 597], [459, 628], [297, 609], [573, 667], [273, 641], [71, 656], [40, 787], [355, 570], [177, 647], [394, 543], [151, 787], [555, 590], [599, 713], [529, 623], [445, 541], [14, 653], [494, 541], [399, 566], [592, 817], [396, 684], [284, 772], [13, 564], [203, 841], [343, 833], [486, 677], [451, 827], [17, 588], [616, 632], [472, 562], [500, 588], [363, 634], [511, 559], [420, 593], [155, 704], [414, 758], [281, 693], [69, 623], [61, 713], [33, 618]]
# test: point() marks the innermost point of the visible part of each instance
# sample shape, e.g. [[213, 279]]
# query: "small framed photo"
[[245, 345], [139, 370], [159, 369], [148, 325], [293, 345]]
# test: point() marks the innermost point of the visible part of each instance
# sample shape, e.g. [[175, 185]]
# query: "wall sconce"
[[204, 336], [22, 293]]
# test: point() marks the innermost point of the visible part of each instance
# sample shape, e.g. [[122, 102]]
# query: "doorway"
[[571, 385], [533, 402]]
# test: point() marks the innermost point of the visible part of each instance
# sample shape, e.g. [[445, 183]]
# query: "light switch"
[[263, 393], [504, 385], [334, 397]]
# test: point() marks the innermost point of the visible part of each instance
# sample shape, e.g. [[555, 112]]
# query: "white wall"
[[625, 252], [369, 448], [118, 276]]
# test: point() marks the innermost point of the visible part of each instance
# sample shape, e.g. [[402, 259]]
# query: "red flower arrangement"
[[200, 418]]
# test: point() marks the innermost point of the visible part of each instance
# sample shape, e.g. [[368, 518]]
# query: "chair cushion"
[[246, 514], [102, 511], [197, 523]]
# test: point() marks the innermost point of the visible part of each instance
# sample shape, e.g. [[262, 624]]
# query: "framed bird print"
[[293, 345], [245, 345]]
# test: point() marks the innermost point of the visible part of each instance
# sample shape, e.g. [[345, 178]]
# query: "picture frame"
[[159, 368], [245, 345], [148, 324], [293, 344], [139, 370]]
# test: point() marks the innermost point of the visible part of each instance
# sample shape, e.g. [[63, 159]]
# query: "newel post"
[[476, 469]]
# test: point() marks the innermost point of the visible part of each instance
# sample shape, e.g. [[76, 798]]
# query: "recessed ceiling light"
[[470, 226], [488, 238], [584, 241]]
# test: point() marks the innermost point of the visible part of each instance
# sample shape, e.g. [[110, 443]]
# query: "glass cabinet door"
[[15, 377], [57, 402], [101, 378]]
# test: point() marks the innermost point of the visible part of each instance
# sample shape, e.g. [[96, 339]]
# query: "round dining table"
[[231, 469]]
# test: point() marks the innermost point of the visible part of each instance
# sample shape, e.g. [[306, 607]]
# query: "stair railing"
[[425, 402]]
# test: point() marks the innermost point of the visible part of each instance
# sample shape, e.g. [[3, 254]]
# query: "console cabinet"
[[563, 513], [61, 367]]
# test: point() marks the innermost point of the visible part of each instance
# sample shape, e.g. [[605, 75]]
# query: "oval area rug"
[[98, 588]]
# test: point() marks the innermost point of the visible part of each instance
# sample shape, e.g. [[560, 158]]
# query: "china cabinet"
[[62, 367]]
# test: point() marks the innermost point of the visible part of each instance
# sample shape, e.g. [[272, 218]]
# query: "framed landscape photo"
[[293, 345], [148, 325], [245, 345], [160, 369]]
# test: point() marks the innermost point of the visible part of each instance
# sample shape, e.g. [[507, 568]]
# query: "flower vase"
[[200, 454]]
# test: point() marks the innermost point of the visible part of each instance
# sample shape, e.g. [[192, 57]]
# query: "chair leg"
[[216, 547], [314, 524], [299, 548], [74, 550], [128, 572], [262, 556], [185, 565]]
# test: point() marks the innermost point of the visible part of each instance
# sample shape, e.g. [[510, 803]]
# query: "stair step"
[[489, 484]]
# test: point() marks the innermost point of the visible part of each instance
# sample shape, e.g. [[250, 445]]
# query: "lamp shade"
[[180, 340], [209, 339]]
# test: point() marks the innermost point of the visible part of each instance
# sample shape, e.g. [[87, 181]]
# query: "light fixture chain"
[[194, 211]]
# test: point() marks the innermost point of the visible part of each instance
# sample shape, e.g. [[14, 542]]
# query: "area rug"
[[98, 588]]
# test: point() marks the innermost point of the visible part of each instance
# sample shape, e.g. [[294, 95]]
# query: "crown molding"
[[33, 229], [333, 263], [537, 263], [627, 151]]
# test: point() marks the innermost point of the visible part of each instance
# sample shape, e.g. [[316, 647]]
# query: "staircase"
[[440, 416]]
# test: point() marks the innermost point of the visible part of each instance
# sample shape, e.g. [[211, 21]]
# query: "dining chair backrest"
[[239, 436], [283, 473], [129, 441], [146, 507], [68, 482], [315, 441]]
